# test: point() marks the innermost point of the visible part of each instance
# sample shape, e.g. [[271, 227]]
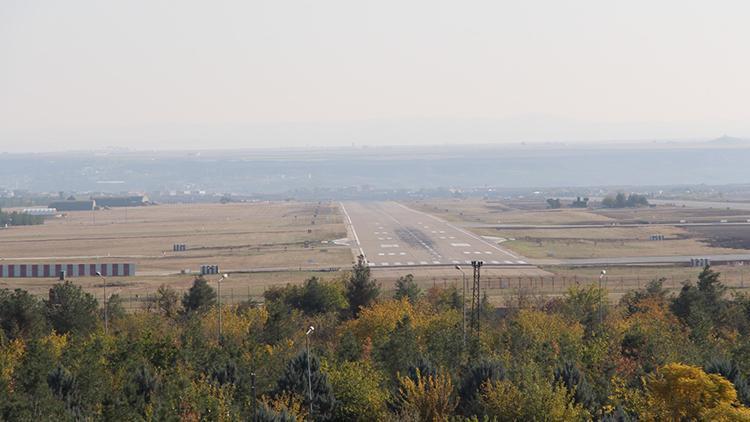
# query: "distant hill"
[[729, 140]]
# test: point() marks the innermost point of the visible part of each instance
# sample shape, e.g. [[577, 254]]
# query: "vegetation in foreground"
[[648, 357]]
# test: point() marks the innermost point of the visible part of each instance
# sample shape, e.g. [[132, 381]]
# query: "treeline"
[[19, 219], [621, 201], [376, 356]]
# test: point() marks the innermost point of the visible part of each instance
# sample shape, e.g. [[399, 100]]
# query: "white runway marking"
[[508, 262], [461, 245], [389, 245], [391, 253], [488, 252], [451, 237], [402, 253], [521, 262], [467, 252], [477, 253], [456, 262], [423, 262], [396, 263], [436, 262], [409, 263], [495, 262], [381, 253], [385, 264]]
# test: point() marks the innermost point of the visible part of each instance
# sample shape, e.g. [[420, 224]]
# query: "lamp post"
[[601, 276], [223, 276], [106, 318], [309, 373], [463, 307]]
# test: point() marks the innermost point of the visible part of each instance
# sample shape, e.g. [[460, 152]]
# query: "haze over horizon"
[[162, 75]]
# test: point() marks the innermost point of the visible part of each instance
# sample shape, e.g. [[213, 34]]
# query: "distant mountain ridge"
[[729, 140]]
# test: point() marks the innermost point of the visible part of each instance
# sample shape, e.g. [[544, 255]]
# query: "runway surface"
[[389, 234]]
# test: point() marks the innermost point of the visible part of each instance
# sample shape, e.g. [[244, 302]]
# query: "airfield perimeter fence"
[[493, 286]]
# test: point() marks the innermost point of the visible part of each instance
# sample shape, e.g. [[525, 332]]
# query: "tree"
[[115, 308], [731, 372], [71, 310], [167, 301], [553, 203], [426, 397], [406, 287], [401, 350], [701, 307], [361, 291], [295, 380], [21, 314], [314, 297], [684, 392], [472, 381], [358, 391], [575, 381], [200, 297]]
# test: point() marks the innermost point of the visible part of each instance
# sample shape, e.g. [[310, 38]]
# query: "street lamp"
[[223, 276], [463, 306], [106, 319], [309, 373], [601, 276]]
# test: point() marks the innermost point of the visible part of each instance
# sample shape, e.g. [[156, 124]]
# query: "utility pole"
[[475, 297], [106, 319], [601, 276], [463, 307], [223, 276], [309, 372]]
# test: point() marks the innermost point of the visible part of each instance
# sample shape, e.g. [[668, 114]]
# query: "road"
[[390, 234]]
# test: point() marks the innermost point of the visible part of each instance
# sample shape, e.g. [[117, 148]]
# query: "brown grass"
[[234, 236]]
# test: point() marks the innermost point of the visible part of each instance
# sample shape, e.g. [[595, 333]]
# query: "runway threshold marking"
[[460, 230]]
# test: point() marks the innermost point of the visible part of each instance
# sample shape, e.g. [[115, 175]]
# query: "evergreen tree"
[[200, 297], [406, 287], [401, 350], [71, 310], [574, 380], [472, 381], [361, 291], [21, 314], [295, 380], [730, 371]]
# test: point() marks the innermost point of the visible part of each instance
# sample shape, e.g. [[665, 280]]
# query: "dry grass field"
[[596, 242], [237, 236]]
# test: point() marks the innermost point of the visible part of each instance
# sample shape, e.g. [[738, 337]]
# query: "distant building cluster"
[[209, 269]]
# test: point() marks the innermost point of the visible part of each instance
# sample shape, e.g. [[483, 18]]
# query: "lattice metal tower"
[[475, 299]]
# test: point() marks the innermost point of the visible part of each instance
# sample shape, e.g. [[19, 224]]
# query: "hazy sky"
[[253, 73]]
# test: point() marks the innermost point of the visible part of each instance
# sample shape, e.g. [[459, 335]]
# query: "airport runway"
[[389, 234]]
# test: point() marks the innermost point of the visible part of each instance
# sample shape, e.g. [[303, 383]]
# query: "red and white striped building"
[[71, 270]]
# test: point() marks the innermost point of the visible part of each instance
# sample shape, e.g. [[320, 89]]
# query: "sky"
[[153, 74]]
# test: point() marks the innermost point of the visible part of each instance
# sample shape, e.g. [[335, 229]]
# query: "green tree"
[[21, 314], [406, 287], [701, 307], [401, 350], [361, 291], [295, 380], [316, 297], [200, 297], [167, 301], [71, 310]]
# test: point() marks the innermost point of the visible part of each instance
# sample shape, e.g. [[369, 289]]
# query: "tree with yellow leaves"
[[683, 392], [426, 397]]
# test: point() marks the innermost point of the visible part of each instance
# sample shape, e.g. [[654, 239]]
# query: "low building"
[[43, 212], [121, 201], [73, 205]]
